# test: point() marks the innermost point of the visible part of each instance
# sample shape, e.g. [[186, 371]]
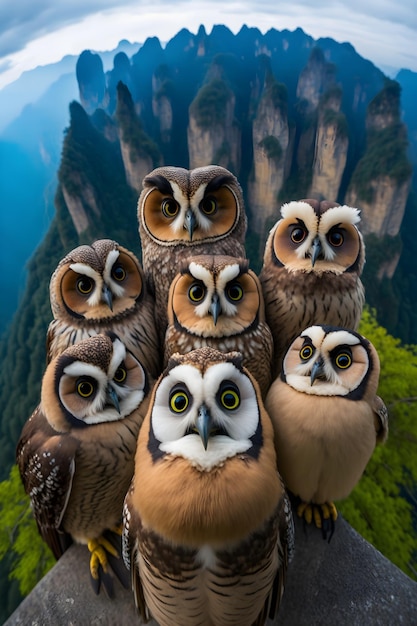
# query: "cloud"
[[36, 32]]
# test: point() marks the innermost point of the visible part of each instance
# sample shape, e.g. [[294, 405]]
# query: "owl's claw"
[[98, 548], [324, 516]]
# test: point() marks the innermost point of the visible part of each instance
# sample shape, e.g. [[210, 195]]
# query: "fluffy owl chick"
[[313, 259], [207, 524], [327, 417], [217, 301], [76, 452], [184, 213], [98, 288]]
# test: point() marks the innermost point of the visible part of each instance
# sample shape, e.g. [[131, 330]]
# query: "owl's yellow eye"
[[306, 352], [335, 238], [343, 360], [229, 396], [118, 272], [170, 207], [298, 234], [85, 285], [196, 292], [85, 387], [120, 375], [234, 292], [209, 205], [179, 401]]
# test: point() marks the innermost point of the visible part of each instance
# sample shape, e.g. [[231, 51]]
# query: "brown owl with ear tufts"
[[184, 213], [313, 260], [217, 301], [101, 288]]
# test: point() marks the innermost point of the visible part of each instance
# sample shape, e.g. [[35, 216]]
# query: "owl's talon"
[[305, 510], [98, 548]]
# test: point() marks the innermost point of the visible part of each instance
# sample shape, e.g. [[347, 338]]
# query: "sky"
[[39, 32]]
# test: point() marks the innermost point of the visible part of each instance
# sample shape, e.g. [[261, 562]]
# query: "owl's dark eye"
[[118, 272], [229, 395], [85, 387], [298, 234], [179, 399], [196, 292], [208, 205], [343, 360], [120, 375], [306, 352], [335, 238], [234, 292], [85, 285], [170, 207]]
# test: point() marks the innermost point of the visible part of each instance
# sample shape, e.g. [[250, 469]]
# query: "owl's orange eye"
[[85, 285], [343, 360], [209, 205], [170, 207], [120, 375], [298, 234], [234, 292], [196, 292], [118, 273], [335, 238], [306, 352], [85, 387]]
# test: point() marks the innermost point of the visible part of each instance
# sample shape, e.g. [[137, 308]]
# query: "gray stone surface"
[[343, 583]]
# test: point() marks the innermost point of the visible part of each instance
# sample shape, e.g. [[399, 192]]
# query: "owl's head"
[[97, 283], [180, 206], [332, 361], [215, 296], [94, 381], [206, 409], [318, 237]]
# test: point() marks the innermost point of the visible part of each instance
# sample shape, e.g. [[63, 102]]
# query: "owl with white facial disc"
[[327, 417]]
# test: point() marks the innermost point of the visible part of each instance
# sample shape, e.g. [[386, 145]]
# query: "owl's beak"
[[107, 296], [203, 424], [317, 371], [215, 308], [317, 249], [113, 398], [190, 223]]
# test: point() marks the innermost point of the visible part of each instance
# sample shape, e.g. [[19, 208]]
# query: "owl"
[[312, 264], [208, 528], [217, 301], [102, 287], [184, 213], [76, 452], [327, 417]]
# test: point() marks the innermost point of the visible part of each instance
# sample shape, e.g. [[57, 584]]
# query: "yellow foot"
[[317, 512], [98, 548]]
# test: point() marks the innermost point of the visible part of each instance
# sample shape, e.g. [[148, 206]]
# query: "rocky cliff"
[[270, 137]]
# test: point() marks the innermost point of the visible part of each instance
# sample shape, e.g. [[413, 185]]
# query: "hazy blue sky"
[[38, 32]]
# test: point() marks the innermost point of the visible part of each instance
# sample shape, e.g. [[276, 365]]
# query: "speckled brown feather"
[[132, 318], [246, 331], [76, 477], [324, 294], [207, 547], [161, 256]]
